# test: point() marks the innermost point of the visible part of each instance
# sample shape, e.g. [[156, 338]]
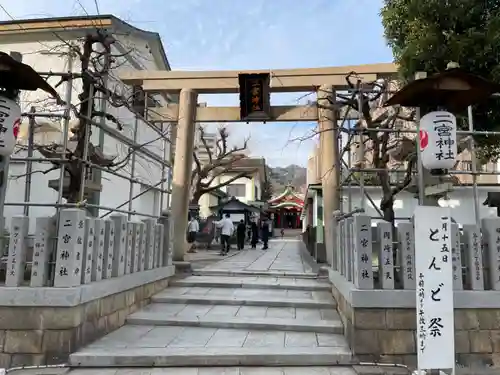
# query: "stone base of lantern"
[[44, 325], [380, 325], [320, 252]]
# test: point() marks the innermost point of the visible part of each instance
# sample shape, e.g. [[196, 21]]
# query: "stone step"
[[298, 370], [248, 297], [235, 322], [254, 282], [138, 345], [220, 356], [225, 272]]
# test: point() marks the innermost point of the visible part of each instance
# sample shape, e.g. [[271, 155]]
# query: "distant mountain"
[[292, 174]]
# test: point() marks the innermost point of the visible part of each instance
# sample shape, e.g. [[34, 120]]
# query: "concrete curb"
[[243, 301], [222, 272], [221, 356], [156, 319], [249, 285]]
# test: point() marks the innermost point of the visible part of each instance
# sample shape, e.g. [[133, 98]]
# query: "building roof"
[[81, 23], [218, 193], [312, 189], [289, 191], [250, 164], [236, 204]]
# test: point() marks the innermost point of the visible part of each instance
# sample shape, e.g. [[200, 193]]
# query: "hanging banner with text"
[[434, 291]]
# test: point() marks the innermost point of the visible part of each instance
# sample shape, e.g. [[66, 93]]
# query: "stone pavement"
[[256, 308]]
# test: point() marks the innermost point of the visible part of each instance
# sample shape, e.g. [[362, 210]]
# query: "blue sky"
[[244, 34]]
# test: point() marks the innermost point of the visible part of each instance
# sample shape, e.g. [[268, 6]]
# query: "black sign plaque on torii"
[[255, 96]]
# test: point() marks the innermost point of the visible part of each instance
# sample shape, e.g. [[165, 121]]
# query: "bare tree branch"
[[220, 160]]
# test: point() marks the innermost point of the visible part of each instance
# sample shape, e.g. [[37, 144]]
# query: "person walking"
[[255, 234], [265, 234], [227, 229], [193, 229], [248, 237], [240, 235]]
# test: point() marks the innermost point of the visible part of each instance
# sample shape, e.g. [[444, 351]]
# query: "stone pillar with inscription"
[[165, 248], [17, 251], [98, 256], [170, 242], [120, 247], [130, 246], [406, 258], [88, 250], [363, 272], [159, 244], [136, 248], [45, 232], [386, 255], [340, 246], [150, 238], [109, 244], [144, 234], [349, 249], [491, 242], [337, 259], [473, 257], [456, 257], [68, 272]]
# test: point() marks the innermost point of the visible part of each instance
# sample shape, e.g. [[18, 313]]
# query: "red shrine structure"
[[286, 209]]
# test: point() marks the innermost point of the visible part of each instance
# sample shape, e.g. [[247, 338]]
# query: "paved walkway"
[[283, 256], [255, 308]]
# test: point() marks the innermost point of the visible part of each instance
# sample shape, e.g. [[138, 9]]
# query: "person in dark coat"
[[255, 234], [240, 234], [265, 234]]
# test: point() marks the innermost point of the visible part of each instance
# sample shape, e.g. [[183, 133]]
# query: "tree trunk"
[[387, 204], [195, 199], [75, 178], [387, 209]]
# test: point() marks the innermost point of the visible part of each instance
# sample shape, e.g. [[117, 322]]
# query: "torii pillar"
[[330, 165], [183, 166]]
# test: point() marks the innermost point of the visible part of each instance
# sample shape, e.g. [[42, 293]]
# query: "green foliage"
[[426, 35], [267, 189]]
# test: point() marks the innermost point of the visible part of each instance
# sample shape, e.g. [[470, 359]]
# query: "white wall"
[[208, 200], [258, 186], [249, 192], [460, 200], [115, 190]]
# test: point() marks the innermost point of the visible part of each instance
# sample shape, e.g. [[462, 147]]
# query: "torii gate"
[[186, 84]]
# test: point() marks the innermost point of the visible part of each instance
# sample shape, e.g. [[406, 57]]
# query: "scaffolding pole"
[[79, 205], [132, 170], [65, 135], [451, 172], [29, 164], [62, 161], [361, 147], [163, 174], [85, 156], [135, 197], [347, 182], [472, 146]]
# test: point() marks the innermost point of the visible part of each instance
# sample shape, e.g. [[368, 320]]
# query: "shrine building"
[[286, 209]]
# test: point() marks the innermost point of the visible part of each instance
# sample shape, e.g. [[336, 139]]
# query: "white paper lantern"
[[438, 140], [10, 123]]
